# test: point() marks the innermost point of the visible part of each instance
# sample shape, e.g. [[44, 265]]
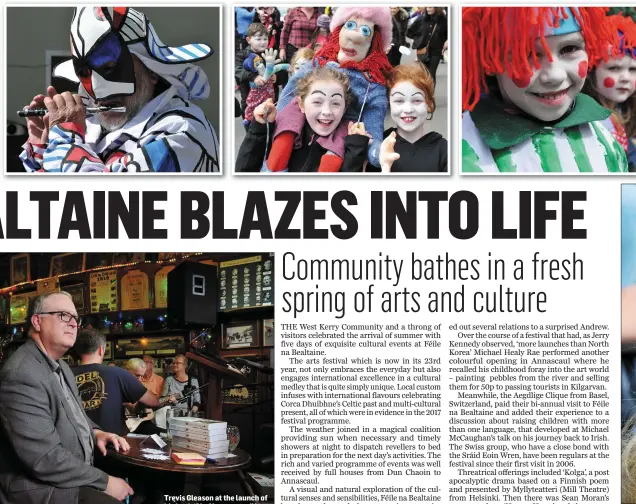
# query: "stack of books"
[[207, 437]]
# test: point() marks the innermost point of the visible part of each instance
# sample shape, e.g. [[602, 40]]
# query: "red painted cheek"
[[608, 82], [582, 69], [522, 81]]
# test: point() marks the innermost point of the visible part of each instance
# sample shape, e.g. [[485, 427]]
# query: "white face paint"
[[324, 106], [548, 93], [615, 79], [408, 107], [258, 42], [355, 39]]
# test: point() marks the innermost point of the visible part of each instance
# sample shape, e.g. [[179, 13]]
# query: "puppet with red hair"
[[357, 45], [523, 70]]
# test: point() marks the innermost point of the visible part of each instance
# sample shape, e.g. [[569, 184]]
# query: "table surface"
[[135, 457]]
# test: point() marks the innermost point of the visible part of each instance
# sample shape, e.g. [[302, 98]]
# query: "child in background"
[[270, 18], [321, 35], [321, 102], [301, 57], [523, 70], [357, 46], [612, 83], [257, 40], [410, 147]]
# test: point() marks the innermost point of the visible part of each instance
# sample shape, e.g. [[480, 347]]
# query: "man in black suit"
[[46, 439]]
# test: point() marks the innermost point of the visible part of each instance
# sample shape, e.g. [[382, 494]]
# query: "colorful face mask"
[[103, 41], [101, 59]]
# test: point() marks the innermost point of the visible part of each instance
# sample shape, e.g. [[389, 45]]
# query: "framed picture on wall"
[[20, 269], [67, 263], [268, 332], [108, 354], [240, 335], [77, 293]]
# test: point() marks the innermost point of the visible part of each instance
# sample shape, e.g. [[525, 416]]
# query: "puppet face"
[[408, 106], [324, 106], [258, 42], [615, 79], [549, 91], [355, 39], [259, 65]]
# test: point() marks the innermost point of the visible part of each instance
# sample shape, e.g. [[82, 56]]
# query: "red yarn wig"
[[626, 30], [375, 66], [502, 39]]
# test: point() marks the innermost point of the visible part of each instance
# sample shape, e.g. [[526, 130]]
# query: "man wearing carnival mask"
[[119, 62]]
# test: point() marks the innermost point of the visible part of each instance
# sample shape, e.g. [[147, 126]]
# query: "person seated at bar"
[[181, 384], [46, 439], [152, 381], [104, 389], [140, 422]]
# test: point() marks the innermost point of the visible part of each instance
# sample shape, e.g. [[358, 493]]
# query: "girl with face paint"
[[321, 102], [357, 46], [523, 111], [409, 147], [612, 83]]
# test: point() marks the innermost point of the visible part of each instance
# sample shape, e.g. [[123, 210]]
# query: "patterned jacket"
[[496, 141], [169, 134]]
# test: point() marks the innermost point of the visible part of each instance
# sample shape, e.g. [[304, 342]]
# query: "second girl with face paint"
[[613, 82], [410, 146]]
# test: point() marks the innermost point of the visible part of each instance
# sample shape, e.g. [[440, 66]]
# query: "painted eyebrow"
[[318, 91], [337, 94], [418, 93], [396, 92]]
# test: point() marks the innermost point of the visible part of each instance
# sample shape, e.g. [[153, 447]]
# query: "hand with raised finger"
[[66, 107], [388, 156]]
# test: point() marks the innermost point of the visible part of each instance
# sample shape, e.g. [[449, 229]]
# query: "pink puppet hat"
[[381, 17]]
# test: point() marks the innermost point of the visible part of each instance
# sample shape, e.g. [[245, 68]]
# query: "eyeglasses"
[[64, 316]]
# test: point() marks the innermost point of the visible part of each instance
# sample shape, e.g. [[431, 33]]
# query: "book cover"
[[188, 458]]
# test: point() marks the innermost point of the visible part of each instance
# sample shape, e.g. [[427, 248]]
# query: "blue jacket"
[[374, 109], [244, 19]]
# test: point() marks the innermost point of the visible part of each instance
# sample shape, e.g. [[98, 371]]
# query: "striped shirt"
[[169, 134], [298, 29], [586, 147]]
